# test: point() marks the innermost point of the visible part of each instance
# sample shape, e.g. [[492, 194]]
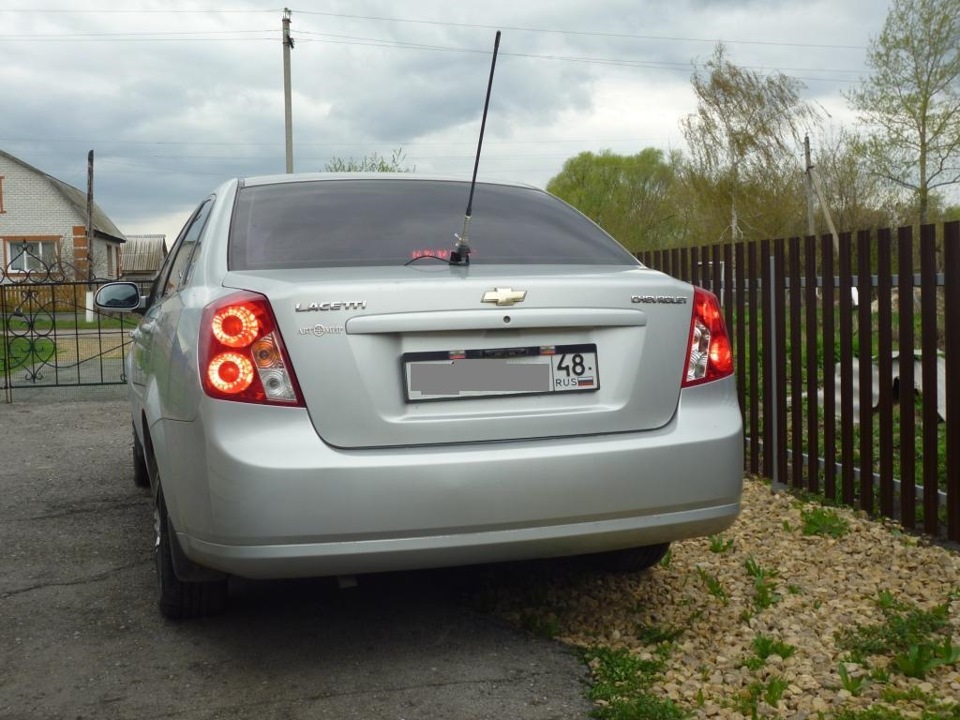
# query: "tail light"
[[709, 356], [242, 356]]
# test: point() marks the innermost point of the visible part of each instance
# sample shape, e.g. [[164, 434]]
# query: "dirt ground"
[[80, 636]]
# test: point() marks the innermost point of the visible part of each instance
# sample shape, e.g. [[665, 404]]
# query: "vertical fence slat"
[[739, 329], [716, 269], [756, 314], [796, 364], [905, 401], [766, 282], [828, 341], [812, 365], [780, 339], [865, 364], [846, 371], [726, 284], [885, 371], [4, 353], [695, 265], [951, 293], [929, 380]]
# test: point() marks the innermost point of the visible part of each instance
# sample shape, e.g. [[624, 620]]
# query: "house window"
[[1, 195], [28, 254]]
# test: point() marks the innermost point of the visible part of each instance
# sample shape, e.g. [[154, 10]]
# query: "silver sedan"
[[330, 378]]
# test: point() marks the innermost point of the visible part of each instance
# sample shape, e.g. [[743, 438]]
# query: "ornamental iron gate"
[[50, 334]]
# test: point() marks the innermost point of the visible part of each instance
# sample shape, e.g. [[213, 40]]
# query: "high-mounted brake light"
[[709, 356], [242, 356]]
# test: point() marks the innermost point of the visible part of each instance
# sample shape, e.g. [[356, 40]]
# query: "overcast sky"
[[175, 97]]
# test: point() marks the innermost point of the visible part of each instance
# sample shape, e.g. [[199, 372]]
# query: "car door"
[[159, 325]]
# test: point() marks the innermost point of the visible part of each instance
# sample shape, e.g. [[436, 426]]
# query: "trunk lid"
[[348, 331]]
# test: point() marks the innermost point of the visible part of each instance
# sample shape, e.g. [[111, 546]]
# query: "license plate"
[[533, 370]]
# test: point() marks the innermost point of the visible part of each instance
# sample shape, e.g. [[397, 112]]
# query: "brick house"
[[43, 223]]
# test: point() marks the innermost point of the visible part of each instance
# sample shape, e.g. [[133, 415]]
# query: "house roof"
[[143, 254], [103, 226]]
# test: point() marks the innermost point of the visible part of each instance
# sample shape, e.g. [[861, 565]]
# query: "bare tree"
[[747, 128], [371, 163]]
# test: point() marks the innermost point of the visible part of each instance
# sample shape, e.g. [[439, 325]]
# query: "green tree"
[[371, 163], [629, 196], [911, 101], [745, 135]]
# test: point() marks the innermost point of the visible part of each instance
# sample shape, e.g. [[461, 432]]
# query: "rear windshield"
[[345, 223]]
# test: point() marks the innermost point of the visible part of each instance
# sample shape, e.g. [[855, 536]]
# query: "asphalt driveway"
[[80, 636]]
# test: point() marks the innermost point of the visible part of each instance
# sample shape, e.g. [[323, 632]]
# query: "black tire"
[[141, 476], [633, 559], [179, 600]]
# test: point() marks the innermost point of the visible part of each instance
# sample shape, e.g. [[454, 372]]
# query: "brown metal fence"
[[848, 363]]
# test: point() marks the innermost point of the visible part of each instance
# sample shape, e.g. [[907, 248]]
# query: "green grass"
[[622, 687], [657, 635], [852, 684], [771, 692], [823, 521], [764, 646], [923, 658], [43, 322], [720, 545], [917, 641], [713, 585], [764, 584], [883, 713], [20, 352]]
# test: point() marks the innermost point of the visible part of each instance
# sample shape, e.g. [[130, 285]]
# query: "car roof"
[[381, 176]]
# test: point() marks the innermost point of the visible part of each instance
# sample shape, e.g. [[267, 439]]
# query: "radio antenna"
[[461, 250]]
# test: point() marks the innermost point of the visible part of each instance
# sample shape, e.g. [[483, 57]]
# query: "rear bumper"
[[254, 492]]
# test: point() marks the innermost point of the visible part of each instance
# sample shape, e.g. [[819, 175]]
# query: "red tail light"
[[242, 356], [709, 356]]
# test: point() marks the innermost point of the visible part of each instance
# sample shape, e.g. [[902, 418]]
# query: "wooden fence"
[[848, 364]]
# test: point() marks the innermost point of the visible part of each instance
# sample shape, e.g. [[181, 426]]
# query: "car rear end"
[[364, 405]]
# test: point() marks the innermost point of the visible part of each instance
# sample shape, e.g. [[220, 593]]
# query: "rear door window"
[[344, 223]]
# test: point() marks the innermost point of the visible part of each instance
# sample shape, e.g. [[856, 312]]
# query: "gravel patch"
[[703, 609]]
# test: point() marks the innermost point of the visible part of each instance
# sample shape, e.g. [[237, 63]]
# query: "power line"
[[145, 11], [209, 35], [333, 39], [268, 35], [439, 23], [626, 36]]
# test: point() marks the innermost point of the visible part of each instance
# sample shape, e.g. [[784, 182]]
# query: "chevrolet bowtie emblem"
[[504, 296]]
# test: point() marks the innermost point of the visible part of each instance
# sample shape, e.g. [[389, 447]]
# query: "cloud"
[[175, 99]]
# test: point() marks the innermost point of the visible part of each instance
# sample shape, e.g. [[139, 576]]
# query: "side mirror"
[[119, 297]]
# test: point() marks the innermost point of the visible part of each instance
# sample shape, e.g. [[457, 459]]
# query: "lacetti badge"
[[504, 296], [331, 306]]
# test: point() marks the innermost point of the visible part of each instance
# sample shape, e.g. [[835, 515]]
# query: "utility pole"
[[89, 231], [815, 186], [808, 165], [287, 101]]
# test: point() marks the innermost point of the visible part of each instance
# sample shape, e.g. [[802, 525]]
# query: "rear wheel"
[[633, 559], [141, 476], [179, 600]]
